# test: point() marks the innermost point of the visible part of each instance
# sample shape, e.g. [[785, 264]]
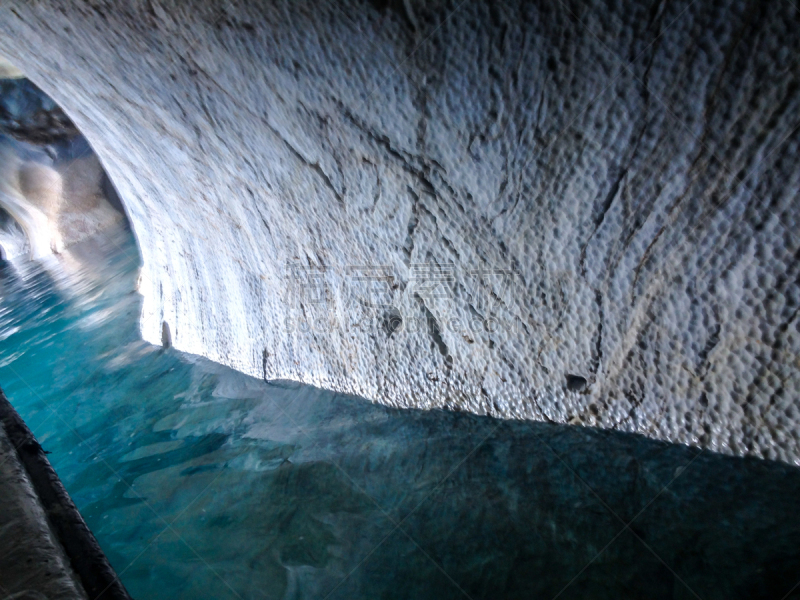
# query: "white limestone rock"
[[632, 165], [56, 204]]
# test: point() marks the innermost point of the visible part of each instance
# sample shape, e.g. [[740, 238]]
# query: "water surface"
[[203, 483]]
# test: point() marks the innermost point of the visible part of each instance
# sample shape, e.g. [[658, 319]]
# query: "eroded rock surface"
[[632, 164], [54, 195], [32, 562]]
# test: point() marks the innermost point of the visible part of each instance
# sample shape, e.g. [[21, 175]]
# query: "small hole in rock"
[[575, 383], [392, 320]]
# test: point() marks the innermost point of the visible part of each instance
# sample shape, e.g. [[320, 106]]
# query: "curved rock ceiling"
[[577, 212]]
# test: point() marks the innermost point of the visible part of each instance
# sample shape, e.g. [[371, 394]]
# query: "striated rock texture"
[[575, 212]]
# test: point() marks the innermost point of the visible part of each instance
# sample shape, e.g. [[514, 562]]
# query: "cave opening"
[[53, 188]]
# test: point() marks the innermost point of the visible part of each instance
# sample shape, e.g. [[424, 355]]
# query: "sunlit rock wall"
[[13, 242], [52, 186], [581, 212], [56, 203]]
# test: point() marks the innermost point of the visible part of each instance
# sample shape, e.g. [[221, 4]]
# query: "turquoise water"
[[200, 482]]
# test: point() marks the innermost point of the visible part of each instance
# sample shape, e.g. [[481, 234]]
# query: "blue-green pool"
[[203, 483]]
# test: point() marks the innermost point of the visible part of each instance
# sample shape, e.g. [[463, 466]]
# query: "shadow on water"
[[200, 482]]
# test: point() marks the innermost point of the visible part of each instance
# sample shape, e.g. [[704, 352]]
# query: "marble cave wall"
[[579, 212]]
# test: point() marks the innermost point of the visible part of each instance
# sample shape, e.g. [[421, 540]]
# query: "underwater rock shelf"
[[79, 546]]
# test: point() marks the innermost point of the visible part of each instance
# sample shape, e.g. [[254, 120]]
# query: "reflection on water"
[[200, 482]]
